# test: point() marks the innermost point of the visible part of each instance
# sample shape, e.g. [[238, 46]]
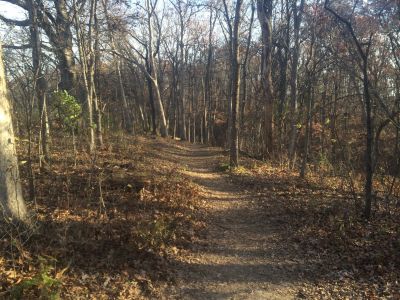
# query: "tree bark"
[[208, 106], [87, 79], [61, 38], [244, 91], [264, 11], [297, 17], [11, 200], [234, 98], [93, 40], [153, 74]]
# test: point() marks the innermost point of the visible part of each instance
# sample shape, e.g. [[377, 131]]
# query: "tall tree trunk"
[[62, 42], [87, 82], [153, 74], [333, 118], [243, 99], [369, 142], [307, 138], [93, 40], [363, 53], [41, 84], [264, 10], [297, 17], [151, 100], [127, 115], [283, 59], [234, 83], [181, 72], [11, 199], [160, 107], [207, 122]]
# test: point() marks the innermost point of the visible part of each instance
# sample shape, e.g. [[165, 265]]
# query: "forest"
[[199, 149]]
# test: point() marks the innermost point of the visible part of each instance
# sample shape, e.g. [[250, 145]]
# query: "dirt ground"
[[241, 256]]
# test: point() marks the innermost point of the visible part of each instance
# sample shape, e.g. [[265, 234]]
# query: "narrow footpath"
[[241, 256]]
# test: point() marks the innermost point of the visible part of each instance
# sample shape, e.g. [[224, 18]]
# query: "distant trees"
[[87, 38], [361, 40], [127, 114], [286, 87]]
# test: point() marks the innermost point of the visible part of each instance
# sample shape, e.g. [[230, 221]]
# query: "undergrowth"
[[114, 219]]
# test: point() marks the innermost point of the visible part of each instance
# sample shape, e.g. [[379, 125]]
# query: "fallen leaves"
[[346, 257], [116, 250]]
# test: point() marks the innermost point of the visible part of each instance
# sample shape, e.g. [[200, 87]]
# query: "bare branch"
[[17, 47], [22, 23]]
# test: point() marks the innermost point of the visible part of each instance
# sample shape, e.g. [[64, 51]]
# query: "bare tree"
[[147, 62], [234, 94], [57, 25], [363, 50], [297, 12]]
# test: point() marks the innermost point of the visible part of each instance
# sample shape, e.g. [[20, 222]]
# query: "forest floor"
[[151, 218], [242, 255], [271, 235]]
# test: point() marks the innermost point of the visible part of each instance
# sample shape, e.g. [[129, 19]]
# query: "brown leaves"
[[349, 258], [113, 251]]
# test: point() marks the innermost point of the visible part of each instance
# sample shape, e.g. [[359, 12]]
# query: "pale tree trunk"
[[163, 121], [153, 75], [181, 92], [283, 59], [207, 122], [203, 118], [88, 93], [151, 99], [297, 16], [129, 126], [40, 85], [264, 10], [235, 82], [88, 55], [193, 108], [184, 13], [93, 33], [194, 113], [11, 199]]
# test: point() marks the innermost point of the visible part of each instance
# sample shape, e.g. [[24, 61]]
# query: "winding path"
[[241, 257]]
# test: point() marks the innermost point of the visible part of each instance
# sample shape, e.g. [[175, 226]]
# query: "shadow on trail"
[[243, 250]]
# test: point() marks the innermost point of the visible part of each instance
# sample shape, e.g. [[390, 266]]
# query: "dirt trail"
[[241, 257]]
